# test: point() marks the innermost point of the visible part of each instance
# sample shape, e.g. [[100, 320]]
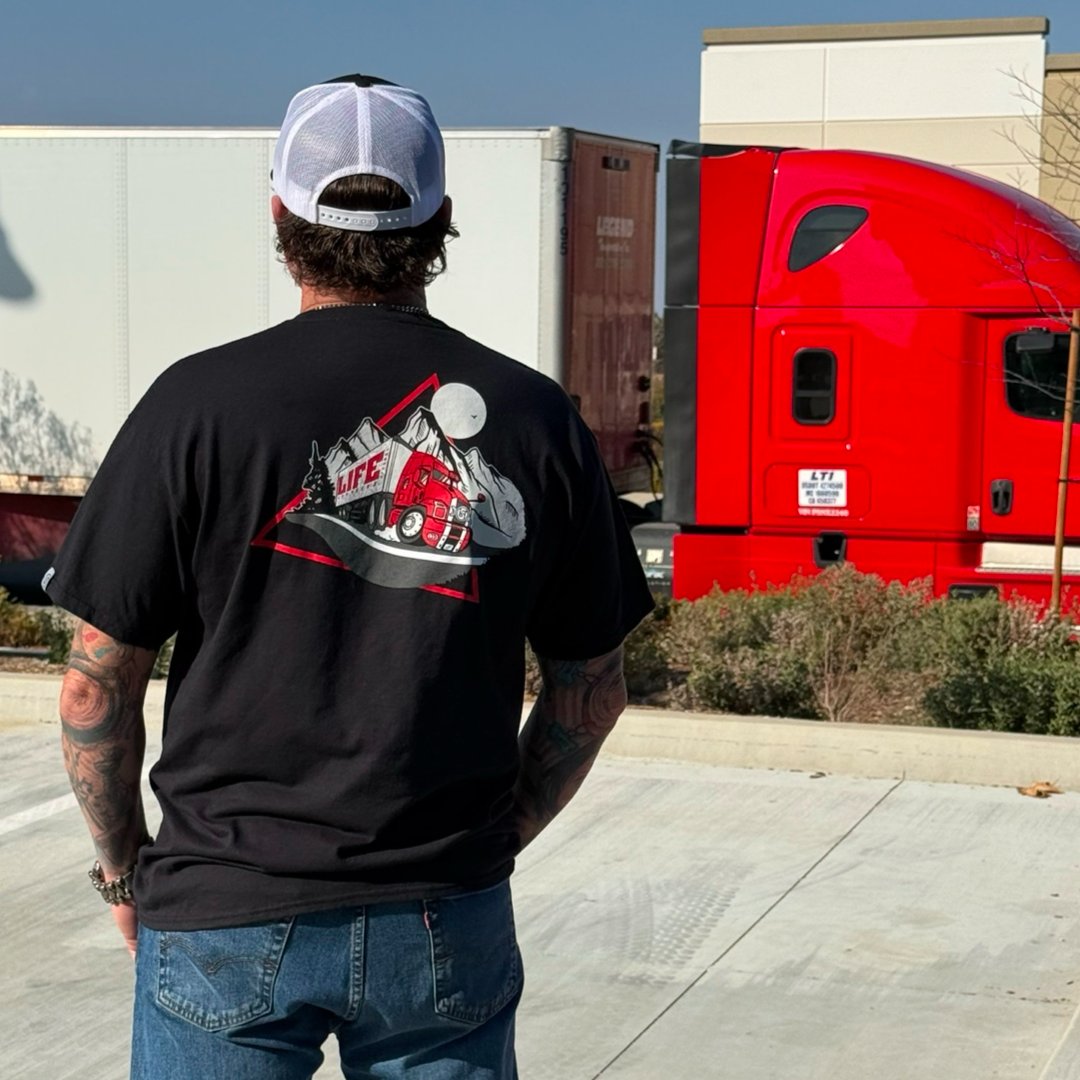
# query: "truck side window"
[[1036, 365], [813, 386], [822, 231]]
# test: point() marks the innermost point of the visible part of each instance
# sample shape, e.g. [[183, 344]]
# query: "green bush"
[[725, 653], [1066, 718], [54, 632], [824, 647], [647, 664], [1001, 666], [18, 627]]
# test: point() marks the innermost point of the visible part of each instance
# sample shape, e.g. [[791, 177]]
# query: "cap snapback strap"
[[365, 220]]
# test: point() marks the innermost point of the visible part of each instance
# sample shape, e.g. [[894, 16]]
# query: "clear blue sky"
[[628, 68]]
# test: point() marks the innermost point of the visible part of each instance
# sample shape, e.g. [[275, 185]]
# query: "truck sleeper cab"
[[865, 361]]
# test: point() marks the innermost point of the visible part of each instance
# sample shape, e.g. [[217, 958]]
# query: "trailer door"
[[1025, 402]]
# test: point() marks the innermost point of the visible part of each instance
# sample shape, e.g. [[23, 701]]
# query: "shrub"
[[54, 632], [18, 627], [1001, 666], [647, 663], [1066, 718], [848, 627], [726, 654], [824, 647]]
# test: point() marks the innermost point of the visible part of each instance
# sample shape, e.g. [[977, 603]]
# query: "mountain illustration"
[[423, 433], [499, 520], [361, 442], [366, 437]]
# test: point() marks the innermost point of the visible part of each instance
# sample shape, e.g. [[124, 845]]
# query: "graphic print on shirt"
[[406, 508]]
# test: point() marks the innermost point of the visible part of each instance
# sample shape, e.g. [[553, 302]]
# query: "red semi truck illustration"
[[414, 493]]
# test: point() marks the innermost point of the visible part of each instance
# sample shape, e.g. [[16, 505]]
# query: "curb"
[[872, 751], [32, 699]]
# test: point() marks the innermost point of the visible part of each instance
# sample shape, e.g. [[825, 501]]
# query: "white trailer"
[[122, 250]]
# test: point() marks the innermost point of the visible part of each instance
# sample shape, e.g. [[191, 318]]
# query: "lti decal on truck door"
[[823, 492], [409, 509]]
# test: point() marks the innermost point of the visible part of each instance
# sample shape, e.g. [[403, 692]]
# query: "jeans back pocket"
[[218, 979], [476, 964]]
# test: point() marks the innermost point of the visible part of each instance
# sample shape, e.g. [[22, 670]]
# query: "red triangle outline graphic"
[[262, 539]]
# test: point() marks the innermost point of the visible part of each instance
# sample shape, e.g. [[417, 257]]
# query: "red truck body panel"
[[860, 392]]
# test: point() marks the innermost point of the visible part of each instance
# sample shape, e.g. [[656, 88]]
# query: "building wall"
[[1060, 181], [942, 91]]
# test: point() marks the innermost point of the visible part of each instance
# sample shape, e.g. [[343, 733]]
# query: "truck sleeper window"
[[813, 386], [1035, 378], [822, 231]]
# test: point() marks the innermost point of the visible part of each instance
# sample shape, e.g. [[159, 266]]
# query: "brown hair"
[[329, 258]]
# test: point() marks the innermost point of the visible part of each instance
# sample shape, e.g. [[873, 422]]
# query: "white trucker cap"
[[353, 125]]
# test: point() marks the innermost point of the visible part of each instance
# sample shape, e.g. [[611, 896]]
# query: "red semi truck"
[[395, 486], [865, 361]]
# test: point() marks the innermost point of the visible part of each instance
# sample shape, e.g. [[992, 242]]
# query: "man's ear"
[[446, 211], [278, 209]]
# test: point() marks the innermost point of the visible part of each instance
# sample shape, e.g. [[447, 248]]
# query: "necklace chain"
[[412, 309]]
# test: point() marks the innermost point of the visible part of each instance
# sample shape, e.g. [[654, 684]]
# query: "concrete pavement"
[[678, 920]]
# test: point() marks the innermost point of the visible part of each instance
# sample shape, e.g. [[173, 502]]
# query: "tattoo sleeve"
[[104, 738], [575, 711]]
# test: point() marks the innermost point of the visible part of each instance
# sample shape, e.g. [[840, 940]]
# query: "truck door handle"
[[1001, 497]]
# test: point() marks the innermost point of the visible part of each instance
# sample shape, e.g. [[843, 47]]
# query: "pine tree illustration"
[[320, 492]]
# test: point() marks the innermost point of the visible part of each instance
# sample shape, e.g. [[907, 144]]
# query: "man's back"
[[369, 506], [352, 523]]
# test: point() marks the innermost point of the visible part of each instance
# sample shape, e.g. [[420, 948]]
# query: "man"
[[351, 522]]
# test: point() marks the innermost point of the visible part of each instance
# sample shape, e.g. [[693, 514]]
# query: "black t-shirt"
[[351, 521]]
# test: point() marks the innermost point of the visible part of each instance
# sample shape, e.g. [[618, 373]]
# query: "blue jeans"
[[425, 990]]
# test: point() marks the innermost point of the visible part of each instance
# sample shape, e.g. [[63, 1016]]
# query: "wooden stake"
[[1063, 472]]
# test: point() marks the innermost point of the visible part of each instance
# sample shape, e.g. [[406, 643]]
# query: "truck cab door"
[[1024, 406]]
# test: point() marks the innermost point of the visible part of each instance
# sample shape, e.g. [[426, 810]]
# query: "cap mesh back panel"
[[340, 129]]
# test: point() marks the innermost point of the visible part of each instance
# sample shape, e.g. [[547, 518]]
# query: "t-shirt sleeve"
[[122, 564], [595, 592]]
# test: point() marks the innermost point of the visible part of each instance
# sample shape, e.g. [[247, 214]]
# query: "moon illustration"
[[459, 409]]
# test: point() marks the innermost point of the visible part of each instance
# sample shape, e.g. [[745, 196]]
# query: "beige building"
[[979, 94]]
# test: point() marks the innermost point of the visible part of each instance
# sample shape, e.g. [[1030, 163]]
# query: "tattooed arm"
[[575, 711], [104, 737]]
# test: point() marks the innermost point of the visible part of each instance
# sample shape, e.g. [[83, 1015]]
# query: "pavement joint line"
[[757, 922], [1046, 1073], [39, 812]]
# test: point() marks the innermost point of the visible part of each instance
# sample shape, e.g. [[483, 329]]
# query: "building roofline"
[[1063, 62], [879, 31]]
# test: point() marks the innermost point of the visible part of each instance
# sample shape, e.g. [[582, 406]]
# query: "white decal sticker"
[[822, 489]]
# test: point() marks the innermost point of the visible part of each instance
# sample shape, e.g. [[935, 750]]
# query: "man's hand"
[[575, 711], [104, 738], [128, 924]]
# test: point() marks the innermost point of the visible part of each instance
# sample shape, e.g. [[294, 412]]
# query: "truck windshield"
[[1035, 377]]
